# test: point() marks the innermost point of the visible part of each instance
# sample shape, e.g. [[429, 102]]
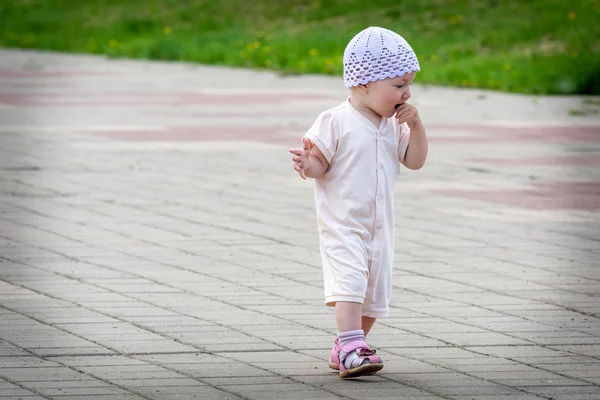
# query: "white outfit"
[[355, 205]]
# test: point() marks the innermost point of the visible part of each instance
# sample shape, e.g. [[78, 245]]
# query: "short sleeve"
[[403, 141], [325, 135]]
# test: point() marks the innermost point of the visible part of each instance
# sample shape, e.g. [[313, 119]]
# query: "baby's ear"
[[362, 88]]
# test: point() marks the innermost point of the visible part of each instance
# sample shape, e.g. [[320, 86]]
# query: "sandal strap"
[[359, 344], [360, 353]]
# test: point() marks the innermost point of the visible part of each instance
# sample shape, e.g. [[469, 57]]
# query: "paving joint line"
[[71, 368], [484, 289], [117, 353]]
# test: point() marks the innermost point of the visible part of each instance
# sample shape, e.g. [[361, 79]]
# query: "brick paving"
[[155, 242]]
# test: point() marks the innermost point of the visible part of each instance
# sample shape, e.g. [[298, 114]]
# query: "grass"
[[536, 46]]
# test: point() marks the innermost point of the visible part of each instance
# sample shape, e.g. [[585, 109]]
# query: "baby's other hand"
[[302, 157]]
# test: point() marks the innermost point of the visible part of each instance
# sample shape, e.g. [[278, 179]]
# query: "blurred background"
[[534, 47]]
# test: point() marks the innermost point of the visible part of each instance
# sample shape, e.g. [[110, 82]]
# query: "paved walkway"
[[155, 242]]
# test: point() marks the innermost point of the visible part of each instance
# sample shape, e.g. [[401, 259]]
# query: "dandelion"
[[433, 58], [167, 30], [571, 16], [113, 43], [456, 19], [252, 46], [313, 52]]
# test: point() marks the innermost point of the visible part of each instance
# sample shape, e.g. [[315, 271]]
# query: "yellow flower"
[[313, 52], [433, 58], [252, 46], [571, 16], [113, 43], [260, 34], [167, 30], [456, 19]]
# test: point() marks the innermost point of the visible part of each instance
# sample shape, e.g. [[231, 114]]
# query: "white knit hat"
[[377, 53]]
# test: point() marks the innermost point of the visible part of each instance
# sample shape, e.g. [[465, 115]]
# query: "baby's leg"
[[348, 316], [367, 324]]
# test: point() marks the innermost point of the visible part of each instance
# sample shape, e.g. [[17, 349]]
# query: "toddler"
[[354, 152]]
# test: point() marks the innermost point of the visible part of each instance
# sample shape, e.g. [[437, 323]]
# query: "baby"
[[354, 152]]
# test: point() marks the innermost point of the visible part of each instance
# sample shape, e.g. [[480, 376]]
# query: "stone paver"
[[155, 242]]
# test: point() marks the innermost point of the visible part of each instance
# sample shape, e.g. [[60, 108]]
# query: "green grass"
[[537, 46]]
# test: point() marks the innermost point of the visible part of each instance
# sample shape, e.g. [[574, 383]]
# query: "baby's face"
[[386, 95]]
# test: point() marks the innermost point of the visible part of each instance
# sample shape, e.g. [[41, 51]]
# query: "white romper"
[[355, 205]]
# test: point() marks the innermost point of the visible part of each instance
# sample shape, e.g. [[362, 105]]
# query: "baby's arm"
[[416, 153], [309, 161]]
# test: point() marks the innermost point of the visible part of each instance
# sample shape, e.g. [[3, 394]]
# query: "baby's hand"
[[302, 157], [408, 113]]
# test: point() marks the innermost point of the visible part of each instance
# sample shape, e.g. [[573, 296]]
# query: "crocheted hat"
[[377, 53]]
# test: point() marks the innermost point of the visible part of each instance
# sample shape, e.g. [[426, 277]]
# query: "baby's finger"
[[402, 110], [401, 107], [300, 170], [296, 151], [305, 144], [404, 116]]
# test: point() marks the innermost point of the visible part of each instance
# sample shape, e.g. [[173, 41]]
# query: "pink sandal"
[[370, 363], [334, 358]]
